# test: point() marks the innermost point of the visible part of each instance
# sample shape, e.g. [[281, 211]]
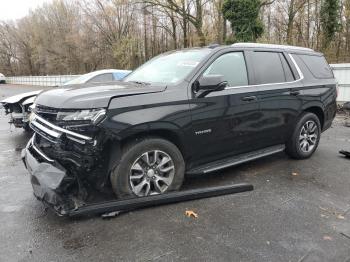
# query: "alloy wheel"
[[152, 173], [308, 136]]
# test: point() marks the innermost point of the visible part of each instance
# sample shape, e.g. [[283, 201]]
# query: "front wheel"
[[305, 138], [148, 167]]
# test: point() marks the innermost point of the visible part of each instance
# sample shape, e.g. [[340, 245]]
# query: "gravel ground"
[[299, 211]]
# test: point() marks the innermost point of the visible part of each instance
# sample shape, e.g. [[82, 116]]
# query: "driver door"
[[224, 123]]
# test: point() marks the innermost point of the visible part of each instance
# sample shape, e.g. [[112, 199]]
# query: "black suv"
[[190, 111]]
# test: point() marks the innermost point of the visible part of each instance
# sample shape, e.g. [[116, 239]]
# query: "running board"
[[149, 201], [236, 160]]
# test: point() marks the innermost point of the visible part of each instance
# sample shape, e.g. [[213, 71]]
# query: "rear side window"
[[268, 68], [232, 67], [317, 65]]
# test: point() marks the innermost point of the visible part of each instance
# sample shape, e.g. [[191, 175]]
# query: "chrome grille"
[[52, 132]]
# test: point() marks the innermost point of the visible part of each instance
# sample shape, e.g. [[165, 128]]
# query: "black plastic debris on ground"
[[345, 153], [113, 208]]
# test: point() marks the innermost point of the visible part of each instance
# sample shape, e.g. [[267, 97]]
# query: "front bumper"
[[65, 167], [48, 179]]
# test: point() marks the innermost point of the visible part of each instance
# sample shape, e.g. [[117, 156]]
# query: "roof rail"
[[289, 47]]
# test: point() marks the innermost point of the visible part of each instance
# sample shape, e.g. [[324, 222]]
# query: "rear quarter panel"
[[320, 93]]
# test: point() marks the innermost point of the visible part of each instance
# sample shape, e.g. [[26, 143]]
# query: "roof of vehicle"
[[287, 48], [272, 46]]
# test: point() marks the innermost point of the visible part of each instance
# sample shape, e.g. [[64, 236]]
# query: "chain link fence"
[[40, 80]]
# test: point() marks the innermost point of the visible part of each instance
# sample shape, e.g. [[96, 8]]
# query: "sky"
[[14, 9]]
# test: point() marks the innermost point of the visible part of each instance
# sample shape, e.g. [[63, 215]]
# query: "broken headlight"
[[89, 116]]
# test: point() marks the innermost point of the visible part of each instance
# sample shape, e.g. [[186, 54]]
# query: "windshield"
[[168, 68]]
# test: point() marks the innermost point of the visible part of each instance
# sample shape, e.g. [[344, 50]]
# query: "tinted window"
[[232, 67], [268, 68], [287, 71], [317, 65], [102, 78]]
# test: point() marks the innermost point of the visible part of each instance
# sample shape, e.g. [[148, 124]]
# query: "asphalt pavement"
[[299, 211]]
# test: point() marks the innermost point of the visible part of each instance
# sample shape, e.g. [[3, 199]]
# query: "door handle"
[[294, 93], [249, 98]]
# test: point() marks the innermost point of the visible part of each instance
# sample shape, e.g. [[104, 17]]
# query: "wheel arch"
[[167, 134], [318, 111], [117, 143]]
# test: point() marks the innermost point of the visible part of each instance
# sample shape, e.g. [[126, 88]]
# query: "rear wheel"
[[149, 167], [305, 138]]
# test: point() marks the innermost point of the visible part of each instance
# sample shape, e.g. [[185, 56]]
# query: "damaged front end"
[[19, 114], [66, 157], [18, 108]]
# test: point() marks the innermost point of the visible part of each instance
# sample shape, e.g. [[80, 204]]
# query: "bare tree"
[[78, 36]]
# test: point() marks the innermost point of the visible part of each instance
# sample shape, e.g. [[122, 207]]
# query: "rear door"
[[224, 122], [279, 87]]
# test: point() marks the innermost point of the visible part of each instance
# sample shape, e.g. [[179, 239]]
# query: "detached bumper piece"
[[156, 200], [345, 153]]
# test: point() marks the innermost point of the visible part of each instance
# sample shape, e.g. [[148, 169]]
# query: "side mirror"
[[211, 83]]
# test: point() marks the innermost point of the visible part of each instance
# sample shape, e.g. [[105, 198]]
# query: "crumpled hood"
[[20, 97], [92, 95]]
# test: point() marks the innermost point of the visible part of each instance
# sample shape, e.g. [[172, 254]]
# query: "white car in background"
[[18, 106], [106, 75], [2, 79]]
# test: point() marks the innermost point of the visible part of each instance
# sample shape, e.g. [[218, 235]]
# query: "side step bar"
[[169, 198], [236, 160]]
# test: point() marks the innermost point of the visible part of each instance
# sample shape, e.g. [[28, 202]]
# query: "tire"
[[133, 175], [303, 143]]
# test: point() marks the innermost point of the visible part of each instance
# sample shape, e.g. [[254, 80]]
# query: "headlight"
[[93, 116]]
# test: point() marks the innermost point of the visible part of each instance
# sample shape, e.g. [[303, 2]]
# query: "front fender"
[[165, 114], [131, 123]]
